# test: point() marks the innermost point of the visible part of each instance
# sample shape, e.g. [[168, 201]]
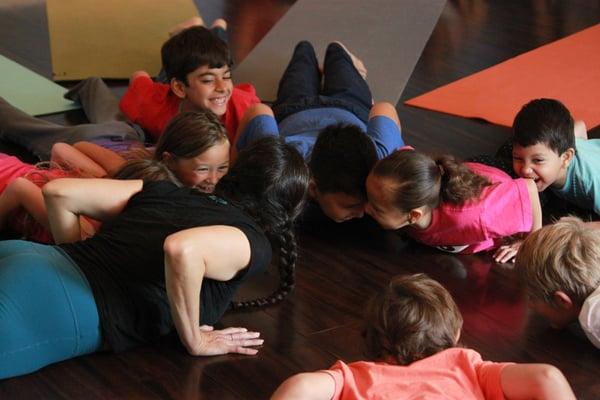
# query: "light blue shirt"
[[302, 129], [582, 184]]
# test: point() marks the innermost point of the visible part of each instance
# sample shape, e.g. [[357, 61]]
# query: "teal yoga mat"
[[31, 92]]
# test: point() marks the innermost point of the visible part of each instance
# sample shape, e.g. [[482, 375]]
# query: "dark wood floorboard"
[[339, 266]]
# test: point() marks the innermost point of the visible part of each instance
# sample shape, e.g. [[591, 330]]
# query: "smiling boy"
[[550, 148], [197, 63]]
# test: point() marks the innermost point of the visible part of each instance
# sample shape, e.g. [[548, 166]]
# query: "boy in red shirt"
[[197, 64], [411, 333]]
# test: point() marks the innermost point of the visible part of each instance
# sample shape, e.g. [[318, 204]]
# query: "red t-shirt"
[[151, 105], [450, 374]]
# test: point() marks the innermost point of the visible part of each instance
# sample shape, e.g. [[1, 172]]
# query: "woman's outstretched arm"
[[215, 252], [66, 199]]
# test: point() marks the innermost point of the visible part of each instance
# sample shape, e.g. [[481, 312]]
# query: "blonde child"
[[411, 336], [193, 151], [559, 266], [456, 207]]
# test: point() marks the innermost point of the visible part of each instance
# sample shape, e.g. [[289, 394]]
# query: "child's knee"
[[385, 109]]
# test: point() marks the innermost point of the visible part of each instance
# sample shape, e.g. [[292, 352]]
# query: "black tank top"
[[124, 262]]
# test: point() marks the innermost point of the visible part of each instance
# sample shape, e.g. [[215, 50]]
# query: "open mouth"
[[219, 101], [206, 189]]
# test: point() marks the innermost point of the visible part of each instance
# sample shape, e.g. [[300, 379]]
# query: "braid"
[[287, 264]]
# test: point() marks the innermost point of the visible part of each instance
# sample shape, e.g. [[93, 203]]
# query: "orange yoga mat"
[[567, 70]]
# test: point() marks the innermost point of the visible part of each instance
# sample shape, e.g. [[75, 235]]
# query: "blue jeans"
[[343, 87], [47, 309]]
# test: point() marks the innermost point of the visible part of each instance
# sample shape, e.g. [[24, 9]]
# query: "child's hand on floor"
[[507, 252]]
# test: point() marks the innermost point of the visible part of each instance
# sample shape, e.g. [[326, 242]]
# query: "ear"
[[312, 189], [562, 300], [567, 156], [178, 88], [457, 337], [415, 215], [166, 157]]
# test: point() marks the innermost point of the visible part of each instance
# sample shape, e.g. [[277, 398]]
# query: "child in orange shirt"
[[411, 334]]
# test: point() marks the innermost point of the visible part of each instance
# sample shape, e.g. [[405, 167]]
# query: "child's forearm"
[[535, 381], [107, 159], [68, 156], [22, 193]]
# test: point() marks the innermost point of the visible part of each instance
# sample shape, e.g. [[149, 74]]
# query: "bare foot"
[[219, 23], [358, 64], [188, 23]]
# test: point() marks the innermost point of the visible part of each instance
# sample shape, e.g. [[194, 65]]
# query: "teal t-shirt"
[[582, 185]]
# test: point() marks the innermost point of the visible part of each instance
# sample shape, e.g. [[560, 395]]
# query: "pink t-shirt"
[[12, 168], [450, 374], [502, 209]]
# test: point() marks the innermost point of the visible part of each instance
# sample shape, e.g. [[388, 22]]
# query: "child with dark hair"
[[411, 336], [167, 258], [460, 208], [550, 148], [330, 118], [197, 65]]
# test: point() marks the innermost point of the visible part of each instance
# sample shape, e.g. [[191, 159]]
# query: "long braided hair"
[[269, 182]]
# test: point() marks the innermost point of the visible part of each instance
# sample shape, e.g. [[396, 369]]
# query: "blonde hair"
[[564, 256]]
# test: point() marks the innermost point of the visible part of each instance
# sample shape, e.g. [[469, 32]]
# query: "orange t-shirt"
[[454, 373]]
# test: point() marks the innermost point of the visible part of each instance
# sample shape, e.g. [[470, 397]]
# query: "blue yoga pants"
[[47, 309]]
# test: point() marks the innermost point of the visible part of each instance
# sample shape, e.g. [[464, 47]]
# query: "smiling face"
[[540, 163], [204, 170], [207, 88]]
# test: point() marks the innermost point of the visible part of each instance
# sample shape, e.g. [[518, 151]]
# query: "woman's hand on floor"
[[229, 340]]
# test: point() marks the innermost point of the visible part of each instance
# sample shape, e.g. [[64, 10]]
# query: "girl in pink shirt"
[[411, 332], [460, 208]]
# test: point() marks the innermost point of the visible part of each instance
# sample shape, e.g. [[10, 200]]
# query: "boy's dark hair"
[[545, 121], [193, 48], [414, 317], [341, 160]]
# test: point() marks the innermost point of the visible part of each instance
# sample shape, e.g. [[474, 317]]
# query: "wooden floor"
[[339, 267]]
